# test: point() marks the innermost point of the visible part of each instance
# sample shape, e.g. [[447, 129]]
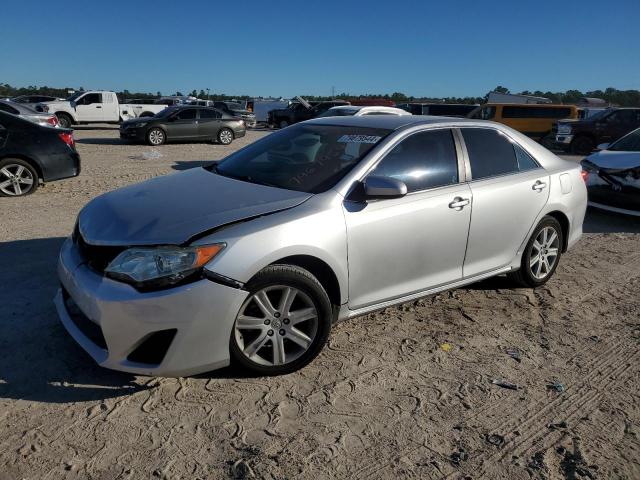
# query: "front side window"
[[306, 158], [490, 153], [90, 98], [423, 160], [487, 113], [188, 114], [628, 143]]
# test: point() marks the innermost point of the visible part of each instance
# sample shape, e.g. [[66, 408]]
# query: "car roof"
[[390, 122]]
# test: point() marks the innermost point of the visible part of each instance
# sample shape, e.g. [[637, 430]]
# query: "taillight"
[[53, 121], [585, 175], [67, 138]]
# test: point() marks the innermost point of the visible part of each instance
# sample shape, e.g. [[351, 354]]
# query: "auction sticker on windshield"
[[359, 139]]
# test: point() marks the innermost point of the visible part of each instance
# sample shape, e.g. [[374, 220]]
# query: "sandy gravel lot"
[[404, 393]]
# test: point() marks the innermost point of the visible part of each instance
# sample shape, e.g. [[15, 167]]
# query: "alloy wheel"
[[276, 325], [15, 180], [156, 137], [544, 252], [226, 137]]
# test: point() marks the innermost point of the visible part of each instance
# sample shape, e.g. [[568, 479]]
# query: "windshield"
[[599, 116], [234, 106], [338, 112], [165, 112], [628, 143], [75, 96], [305, 158]]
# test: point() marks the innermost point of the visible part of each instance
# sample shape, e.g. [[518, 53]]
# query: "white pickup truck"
[[98, 106]]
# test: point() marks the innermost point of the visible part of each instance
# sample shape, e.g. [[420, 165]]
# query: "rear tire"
[[582, 145], [225, 136], [297, 329], [64, 120], [541, 256], [17, 178]]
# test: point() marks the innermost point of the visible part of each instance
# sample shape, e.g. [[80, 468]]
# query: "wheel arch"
[[319, 269], [74, 121], [29, 160], [563, 220]]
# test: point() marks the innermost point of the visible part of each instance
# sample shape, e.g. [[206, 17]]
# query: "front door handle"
[[459, 203], [539, 186]]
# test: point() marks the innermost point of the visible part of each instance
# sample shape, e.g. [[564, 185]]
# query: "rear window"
[[535, 112], [7, 108]]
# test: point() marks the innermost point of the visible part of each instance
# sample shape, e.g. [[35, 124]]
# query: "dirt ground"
[[404, 393]]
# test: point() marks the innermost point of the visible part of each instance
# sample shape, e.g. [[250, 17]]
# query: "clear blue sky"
[[421, 48]]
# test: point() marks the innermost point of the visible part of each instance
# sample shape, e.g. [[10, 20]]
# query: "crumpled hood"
[[610, 159], [173, 208]]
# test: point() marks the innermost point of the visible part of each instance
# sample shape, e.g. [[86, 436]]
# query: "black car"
[[184, 123], [300, 111], [438, 109], [35, 101], [236, 110], [31, 153]]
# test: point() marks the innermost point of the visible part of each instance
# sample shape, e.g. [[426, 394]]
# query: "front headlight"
[[160, 266], [139, 125], [564, 129]]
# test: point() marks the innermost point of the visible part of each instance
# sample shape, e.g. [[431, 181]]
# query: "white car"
[[98, 106], [359, 111]]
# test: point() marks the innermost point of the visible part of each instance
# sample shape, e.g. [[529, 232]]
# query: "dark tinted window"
[[188, 114], [535, 112], [207, 113], [424, 160], [629, 143], [91, 98], [7, 108], [624, 117], [451, 110], [490, 153]]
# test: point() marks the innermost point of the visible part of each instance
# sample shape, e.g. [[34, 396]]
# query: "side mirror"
[[384, 187], [603, 146]]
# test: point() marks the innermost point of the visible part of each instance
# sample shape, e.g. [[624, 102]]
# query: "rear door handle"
[[459, 203], [539, 186]]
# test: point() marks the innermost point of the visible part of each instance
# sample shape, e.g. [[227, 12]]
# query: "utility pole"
[[207, 94], [333, 92]]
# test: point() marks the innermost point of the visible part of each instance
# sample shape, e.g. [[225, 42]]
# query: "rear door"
[[509, 190], [209, 123], [183, 125], [401, 246], [89, 108], [619, 124]]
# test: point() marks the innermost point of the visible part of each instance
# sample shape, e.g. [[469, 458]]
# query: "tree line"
[[624, 98]]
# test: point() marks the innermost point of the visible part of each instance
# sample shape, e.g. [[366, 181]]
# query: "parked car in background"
[[357, 111], [98, 106], [534, 120], [237, 110], [613, 175], [261, 107], [582, 136], [184, 123], [438, 109], [25, 111], [36, 101], [300, 111], [31, 153], [254, 258]]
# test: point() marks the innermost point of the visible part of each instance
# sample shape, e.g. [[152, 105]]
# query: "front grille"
[[89, 329], [98, 257], [153, 349]]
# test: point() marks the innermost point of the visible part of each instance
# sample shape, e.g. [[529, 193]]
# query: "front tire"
[[283, 324], [156, 137], [64, 120], [541, 255], [17, 178]]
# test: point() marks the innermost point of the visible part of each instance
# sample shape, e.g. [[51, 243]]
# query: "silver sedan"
[[253, 259]]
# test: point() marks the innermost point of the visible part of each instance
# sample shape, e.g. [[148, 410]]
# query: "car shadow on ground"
[[101, 141], [96, 127], [602, 221], [39, 360], [186, 165]]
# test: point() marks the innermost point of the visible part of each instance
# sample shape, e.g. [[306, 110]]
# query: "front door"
[[89, 108], [183, 125], [401, 246], [509, 191]]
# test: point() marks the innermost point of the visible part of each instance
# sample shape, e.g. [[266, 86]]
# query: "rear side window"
[[423, 160], [490, 153], [535, 112], [525, 161], [6, 108], [206, 113]]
